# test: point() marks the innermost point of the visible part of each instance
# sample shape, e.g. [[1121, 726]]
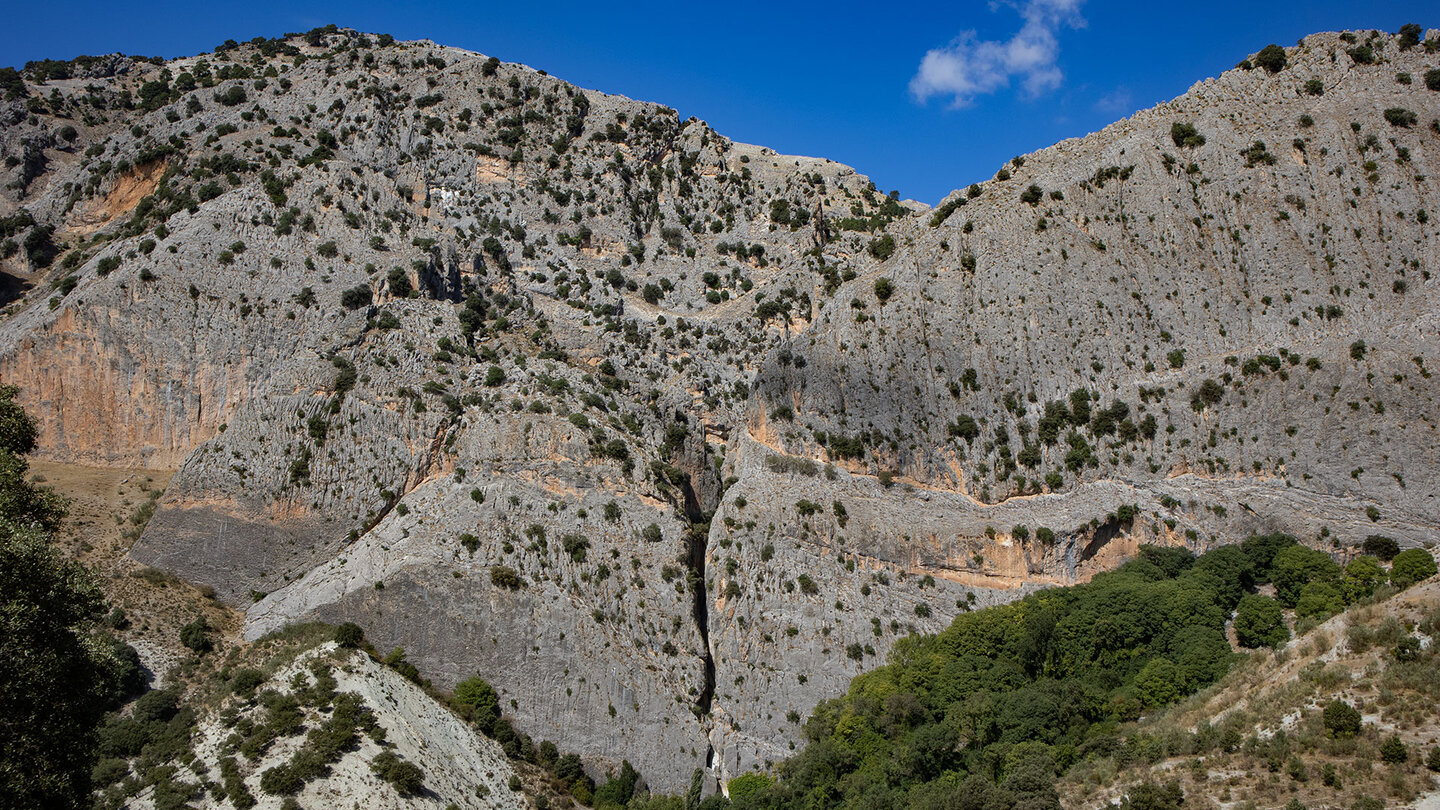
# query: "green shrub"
[[281, 780], [196, 635], [1209, 393], [746, 785], [1185, 135], [1409, 34], [1341, 720], [244, 681], [1272, 58], [1319, 600], [1401, 117], [575, 545], [1296, 566], [884, 289], [1432, 79], [503, 576], [1380, 546], [357, 297], [965, 427], [1411, 566], [398, 282], [231, 97], [1362, 55], [349, 635], [1151, 796], [406, 777], [478, 701], [1394, 750], [1256, 154], [1362, 576]]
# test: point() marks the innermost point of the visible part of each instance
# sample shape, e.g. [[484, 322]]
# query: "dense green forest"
[[991, 711]]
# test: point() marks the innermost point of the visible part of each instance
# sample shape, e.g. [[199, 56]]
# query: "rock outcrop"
[[667, 436]]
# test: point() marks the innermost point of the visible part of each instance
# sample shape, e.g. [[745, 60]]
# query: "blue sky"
[[839, 80]]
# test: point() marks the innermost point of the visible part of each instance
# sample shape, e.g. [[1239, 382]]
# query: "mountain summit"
[[669, 437]]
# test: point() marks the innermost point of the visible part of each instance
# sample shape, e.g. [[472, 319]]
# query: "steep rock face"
[[1286, 258], [593, 640], [548, 385]]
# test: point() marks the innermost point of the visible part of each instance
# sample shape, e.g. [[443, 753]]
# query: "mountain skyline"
[[796, 79]]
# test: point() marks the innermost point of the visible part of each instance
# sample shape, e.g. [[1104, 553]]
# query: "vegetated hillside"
[[1270, 732], [668, 437], [297, 718], [1024, 704]]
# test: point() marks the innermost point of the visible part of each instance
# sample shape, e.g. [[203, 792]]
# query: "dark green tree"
[[1394, 750], [1319, 600], [884, 289], [58, 674], [1411, 566], [1296, 566], [1272, 58], [1259, 622], [1341, 719], [1381, 546], [479, 702]]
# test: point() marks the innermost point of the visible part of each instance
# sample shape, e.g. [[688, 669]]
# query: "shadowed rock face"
[[549, 385]]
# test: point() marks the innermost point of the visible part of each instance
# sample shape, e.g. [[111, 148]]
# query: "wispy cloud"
[[970, 66], [1117, 102]]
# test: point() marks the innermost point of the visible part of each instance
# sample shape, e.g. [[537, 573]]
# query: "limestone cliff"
[[668, 436]]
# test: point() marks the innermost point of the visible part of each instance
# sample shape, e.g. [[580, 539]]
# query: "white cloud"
[[970, 66]]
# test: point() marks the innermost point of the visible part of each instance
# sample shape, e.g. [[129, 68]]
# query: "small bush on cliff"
[[1185, 135], [503, 576], [478, 702], [356, 297], [1272, 58]]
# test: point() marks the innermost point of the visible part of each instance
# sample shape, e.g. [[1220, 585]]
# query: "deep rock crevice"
[[697, 546]]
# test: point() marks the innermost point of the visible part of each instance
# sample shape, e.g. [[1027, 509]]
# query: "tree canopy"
[[993, 707], [59, 673]]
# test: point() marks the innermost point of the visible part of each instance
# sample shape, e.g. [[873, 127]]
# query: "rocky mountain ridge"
[[547, 384]]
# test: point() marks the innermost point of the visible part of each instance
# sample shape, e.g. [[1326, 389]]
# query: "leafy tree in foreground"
[[58, 674]]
